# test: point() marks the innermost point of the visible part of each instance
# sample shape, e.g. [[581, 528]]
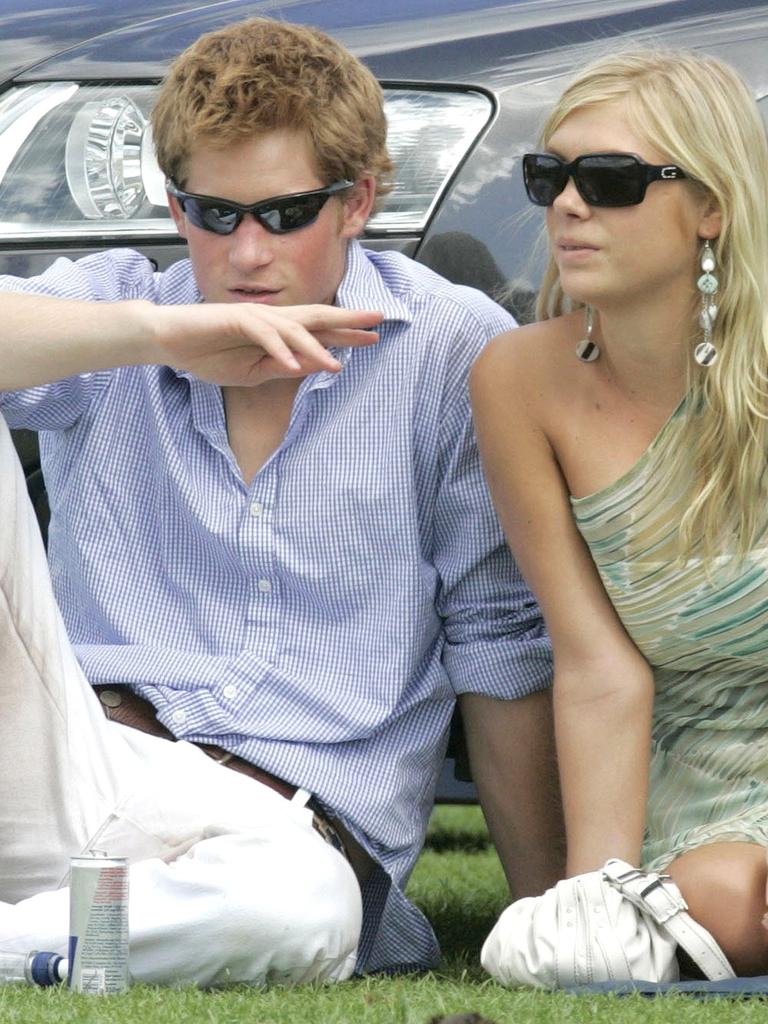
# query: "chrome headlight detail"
[[84, 170], [103, 159], [77, 161]]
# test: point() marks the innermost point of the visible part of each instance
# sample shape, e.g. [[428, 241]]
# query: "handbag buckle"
[[656, 894], [665, 900]]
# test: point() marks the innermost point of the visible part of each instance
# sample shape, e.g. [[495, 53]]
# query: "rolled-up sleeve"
[[496, 643]]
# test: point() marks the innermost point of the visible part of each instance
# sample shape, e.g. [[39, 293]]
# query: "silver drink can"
[[98, 924]]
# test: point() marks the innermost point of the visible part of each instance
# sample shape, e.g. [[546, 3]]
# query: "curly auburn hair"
[[260, 75]]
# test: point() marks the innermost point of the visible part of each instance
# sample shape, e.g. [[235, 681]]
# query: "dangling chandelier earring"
[[705, 352], [587, 350]]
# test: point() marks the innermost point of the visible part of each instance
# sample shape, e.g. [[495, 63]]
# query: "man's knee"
[[318, 918], [260, 911]]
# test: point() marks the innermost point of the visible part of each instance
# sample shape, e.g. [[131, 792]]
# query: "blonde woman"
[[624, 437]]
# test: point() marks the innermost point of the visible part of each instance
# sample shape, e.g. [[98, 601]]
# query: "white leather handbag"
[[616, 924]]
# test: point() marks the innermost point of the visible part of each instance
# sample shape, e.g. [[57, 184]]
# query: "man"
[[288, 555]]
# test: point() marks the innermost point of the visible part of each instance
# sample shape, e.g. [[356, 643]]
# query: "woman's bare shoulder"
[[525, 354]]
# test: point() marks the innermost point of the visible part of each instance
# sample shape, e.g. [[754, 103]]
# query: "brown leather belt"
[[122, 705]]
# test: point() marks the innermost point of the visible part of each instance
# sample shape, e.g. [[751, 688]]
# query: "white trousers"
[[229, 882]]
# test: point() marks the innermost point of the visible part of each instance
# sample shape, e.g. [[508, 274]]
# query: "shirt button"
[[179, 717], [230, 691], [265, 586], [256, 509]]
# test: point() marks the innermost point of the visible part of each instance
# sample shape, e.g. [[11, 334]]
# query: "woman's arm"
[[603, 689]]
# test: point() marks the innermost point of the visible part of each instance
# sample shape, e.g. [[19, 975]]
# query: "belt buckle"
[[327, 832]]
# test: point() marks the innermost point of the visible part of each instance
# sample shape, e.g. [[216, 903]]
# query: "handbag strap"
[[659, 898]]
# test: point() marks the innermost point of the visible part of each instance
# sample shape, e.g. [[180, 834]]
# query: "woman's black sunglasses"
[[278, 215], [603, 179]]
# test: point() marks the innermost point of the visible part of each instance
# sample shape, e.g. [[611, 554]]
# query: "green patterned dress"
[[707, 641]]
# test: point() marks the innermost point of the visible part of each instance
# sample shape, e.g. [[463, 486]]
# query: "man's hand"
[[245, 344]]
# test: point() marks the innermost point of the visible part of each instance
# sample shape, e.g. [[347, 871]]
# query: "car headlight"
[[77, 161]]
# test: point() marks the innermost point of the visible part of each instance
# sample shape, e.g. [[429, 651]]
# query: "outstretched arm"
[[603, 689], [45, 339]]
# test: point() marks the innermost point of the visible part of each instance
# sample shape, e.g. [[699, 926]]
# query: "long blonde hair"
[[700, 114]]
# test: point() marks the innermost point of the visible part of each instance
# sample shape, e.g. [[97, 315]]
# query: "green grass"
[[459, 884]]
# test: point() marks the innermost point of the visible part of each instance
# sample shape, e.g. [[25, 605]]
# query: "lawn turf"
[[459, 884]]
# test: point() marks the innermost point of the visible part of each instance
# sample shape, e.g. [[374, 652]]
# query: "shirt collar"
[[363, 287]]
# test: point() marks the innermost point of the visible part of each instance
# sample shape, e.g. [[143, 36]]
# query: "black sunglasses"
[[603, 179], [278, 215]]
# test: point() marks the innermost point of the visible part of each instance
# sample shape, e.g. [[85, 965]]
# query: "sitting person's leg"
[[55, 783], [724, 885], [272, 904], [229, 881]]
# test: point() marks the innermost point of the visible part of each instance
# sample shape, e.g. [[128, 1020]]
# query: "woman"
[[624, 438]]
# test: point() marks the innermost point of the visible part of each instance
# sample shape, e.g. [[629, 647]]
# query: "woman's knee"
[[724, 885]]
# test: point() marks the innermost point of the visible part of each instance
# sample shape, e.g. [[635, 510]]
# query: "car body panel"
[[470, 41]]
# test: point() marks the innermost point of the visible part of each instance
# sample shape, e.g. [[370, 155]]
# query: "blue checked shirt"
[[320, 621]]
